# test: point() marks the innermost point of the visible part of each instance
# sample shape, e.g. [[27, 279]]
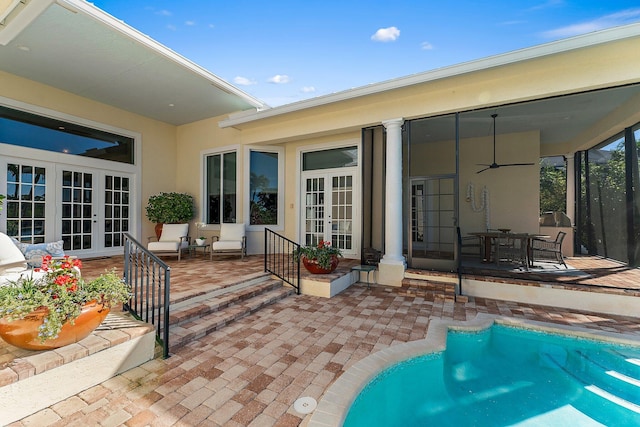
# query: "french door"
[[88, 209], [329, 212], [432, 222]]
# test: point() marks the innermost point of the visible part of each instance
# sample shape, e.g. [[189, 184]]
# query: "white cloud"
[[171, 27], [163, 12], [426, 46], [546, 5], [607, 21], [389, 34], [308, 89], [211, 26], [279, 79], [190, 23], [243, 81]]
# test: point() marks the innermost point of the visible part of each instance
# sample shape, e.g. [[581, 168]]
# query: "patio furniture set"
[[502, 245], [174, 240]]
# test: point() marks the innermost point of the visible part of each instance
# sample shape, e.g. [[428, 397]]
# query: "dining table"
[[525, 239]]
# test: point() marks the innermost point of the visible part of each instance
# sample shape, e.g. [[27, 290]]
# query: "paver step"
[[446, 290], [200, 306], [197, 327]]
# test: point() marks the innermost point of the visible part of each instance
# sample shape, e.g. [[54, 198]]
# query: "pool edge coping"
[[337, 400]]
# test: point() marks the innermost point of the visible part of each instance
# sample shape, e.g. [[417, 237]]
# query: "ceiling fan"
[[495, 165]]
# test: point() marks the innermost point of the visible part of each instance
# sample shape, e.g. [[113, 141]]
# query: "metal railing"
[[149, 278], [279, 259]]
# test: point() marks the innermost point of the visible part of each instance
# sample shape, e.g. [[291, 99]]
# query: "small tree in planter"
[[170, 208]]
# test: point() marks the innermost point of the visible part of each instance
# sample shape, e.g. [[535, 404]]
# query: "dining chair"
[[542, 249]]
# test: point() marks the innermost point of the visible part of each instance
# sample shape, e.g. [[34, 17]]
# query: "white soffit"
[[74, 46]]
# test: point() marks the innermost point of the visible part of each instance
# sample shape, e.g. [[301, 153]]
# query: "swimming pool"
[[506, 376]]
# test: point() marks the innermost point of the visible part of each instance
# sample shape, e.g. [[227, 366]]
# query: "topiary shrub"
[[170, 208]]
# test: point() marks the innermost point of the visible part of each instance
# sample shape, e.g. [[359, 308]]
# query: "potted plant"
[[200, 240], [170, 208], [55, 306], [319, 259]]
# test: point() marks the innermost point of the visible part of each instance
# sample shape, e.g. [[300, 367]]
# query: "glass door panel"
[[77, 210], [432, 222], [26, 195], [116, 209], [342, 212], [314, 218]]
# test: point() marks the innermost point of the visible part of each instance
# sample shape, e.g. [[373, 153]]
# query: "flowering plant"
[[58, 287], [322, 253]]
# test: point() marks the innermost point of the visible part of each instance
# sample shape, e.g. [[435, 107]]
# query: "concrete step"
[[210, 315]]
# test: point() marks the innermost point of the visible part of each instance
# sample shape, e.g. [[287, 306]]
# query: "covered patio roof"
[[74, 46]]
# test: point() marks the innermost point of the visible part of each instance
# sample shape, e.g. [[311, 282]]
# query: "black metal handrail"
[[279, 259], [149, 278]]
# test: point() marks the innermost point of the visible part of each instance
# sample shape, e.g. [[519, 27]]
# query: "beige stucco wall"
[[158, 139], [513, 191]]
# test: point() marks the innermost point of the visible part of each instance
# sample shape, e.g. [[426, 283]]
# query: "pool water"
[[507, 376]]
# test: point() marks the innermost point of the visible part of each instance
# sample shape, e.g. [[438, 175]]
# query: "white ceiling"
[[80, 49], [558, 120]]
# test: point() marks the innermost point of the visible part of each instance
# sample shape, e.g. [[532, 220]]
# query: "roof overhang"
[[76, 47]]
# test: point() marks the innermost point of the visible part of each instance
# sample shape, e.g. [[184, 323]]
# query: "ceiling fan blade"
[[518, 164], [482, 170]]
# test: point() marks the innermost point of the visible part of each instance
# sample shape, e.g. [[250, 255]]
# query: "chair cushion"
[[226, 245], [166, 246], [173, 232], [9, 252], [232, 231]]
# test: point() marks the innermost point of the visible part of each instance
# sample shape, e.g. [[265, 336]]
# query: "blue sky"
[[286, 51]]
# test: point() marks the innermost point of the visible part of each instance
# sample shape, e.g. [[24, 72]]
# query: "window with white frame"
[[265, 184], [221, 187]]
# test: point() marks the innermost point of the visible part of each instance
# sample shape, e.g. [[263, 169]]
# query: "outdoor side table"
[[194, 249], [367, 268]]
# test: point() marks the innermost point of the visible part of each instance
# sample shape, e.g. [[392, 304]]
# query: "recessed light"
[[171, 105], [24, 48]]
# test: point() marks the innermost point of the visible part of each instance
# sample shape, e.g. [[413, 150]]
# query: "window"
[[44, 133], [333, 158], [221, 187], [264, 183], [263, 188]]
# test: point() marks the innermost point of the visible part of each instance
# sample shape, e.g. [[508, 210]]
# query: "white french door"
[[87, 208], [329, 211]]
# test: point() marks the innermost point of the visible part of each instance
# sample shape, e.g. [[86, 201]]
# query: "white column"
[[393, 261]]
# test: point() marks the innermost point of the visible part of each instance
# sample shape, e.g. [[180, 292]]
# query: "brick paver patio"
[[251, 372]]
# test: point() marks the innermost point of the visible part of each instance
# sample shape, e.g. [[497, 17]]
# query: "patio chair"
[[548, 250], [13, 263], [504, 247], [173, 240], [232, 240]]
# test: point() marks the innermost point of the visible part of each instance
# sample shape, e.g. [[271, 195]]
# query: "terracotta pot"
[[158, 229], [23, 333], [312, 265]]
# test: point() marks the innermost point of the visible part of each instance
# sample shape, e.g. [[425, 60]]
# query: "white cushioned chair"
[[232, 239], [173, 240], [13, 264]]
